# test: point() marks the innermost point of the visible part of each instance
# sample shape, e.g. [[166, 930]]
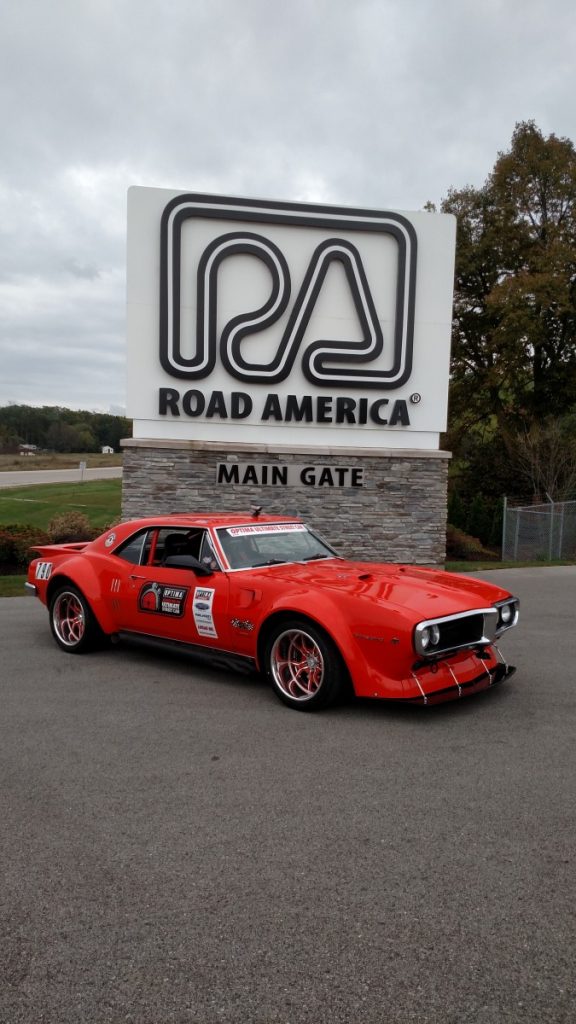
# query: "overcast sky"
[[380, 103]]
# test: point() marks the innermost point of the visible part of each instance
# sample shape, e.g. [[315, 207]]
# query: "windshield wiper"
[[319, 554], [269, 561]]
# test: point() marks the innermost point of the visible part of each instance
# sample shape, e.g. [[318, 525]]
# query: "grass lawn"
[[37, 504], [12, 586]]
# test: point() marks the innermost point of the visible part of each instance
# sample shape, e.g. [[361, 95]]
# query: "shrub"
[[460, 545], [71, 526], [24, 542], [15, 544], [6, 545]]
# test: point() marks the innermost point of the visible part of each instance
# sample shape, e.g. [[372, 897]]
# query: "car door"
[[168, 601]]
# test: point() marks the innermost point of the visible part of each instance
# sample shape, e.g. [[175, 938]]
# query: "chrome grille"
[[465, 629]]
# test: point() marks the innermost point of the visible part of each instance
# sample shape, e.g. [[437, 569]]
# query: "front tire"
[[72, 622], [303, 665]]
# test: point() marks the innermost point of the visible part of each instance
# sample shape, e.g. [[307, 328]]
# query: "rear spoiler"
[[51, 550]]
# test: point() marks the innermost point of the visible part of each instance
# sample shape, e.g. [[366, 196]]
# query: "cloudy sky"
[[382, 103]]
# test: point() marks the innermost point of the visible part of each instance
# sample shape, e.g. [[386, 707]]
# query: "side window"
[[171, 541], [135, 549]]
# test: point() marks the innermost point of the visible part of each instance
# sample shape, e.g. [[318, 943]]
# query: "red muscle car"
[[266, 592]]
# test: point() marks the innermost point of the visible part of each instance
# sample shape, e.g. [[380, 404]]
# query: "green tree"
[[514, 332], [63, 429]]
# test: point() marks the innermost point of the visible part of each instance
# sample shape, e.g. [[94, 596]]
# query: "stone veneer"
[[399, 515]]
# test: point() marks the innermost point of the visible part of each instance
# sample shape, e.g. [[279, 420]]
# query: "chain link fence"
[[545, 532]]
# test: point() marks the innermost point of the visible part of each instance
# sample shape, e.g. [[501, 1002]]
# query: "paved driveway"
[[177, 846]]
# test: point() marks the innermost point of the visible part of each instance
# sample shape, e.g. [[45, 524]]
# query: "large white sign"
[[287, 323]]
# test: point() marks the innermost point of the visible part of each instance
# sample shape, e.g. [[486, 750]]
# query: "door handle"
[[136, 576]]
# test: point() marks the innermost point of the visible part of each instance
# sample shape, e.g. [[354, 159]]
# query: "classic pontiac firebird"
[[266, 592]]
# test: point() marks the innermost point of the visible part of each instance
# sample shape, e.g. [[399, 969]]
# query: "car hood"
[[428, 593]]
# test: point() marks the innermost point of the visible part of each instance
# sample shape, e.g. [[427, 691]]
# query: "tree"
[[544, 456], [514, 332], [9, 441], [62, 429], [61, 437]]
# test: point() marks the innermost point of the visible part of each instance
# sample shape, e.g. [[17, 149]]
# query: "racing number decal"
[[43, 570], [202, 611]]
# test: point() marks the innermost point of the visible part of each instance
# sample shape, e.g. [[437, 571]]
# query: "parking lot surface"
[[177, 846]]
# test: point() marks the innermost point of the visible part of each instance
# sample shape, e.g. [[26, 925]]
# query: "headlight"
[[507, 614], [429, 637]]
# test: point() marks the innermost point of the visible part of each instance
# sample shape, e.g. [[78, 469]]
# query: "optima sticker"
[[248, 531], [162, 600], [202, 611]]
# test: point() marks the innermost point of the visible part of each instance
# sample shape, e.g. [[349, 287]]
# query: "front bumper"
[[457, 677]]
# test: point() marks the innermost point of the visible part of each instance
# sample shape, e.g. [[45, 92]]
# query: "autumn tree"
[[514, 333]]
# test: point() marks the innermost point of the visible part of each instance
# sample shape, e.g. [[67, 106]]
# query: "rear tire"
[[72, 622], [303, 665]]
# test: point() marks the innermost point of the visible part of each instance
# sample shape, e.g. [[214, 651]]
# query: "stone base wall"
[[398, 515]]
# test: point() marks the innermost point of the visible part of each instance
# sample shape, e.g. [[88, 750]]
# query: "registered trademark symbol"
[[415, 398]]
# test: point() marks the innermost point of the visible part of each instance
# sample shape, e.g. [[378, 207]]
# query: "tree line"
[[61, 430]]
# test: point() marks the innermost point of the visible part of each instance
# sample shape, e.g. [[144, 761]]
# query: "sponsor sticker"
[[43, 570], [246, 625], [110, 540], [162, 600], [248, 531], [202, 611]]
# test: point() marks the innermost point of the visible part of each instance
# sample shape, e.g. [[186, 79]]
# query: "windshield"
[[271, 544]]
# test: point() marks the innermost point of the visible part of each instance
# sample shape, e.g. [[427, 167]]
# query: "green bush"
[[461, 546], [457, 511], [6, 546], [15, 544], [71, 526]]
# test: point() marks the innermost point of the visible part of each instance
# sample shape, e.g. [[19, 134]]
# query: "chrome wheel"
[[297, 664], [69, 618]]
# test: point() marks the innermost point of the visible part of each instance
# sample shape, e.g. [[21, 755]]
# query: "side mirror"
[[187, 562]]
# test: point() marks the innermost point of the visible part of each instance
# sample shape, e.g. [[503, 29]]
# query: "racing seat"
[[175, 544]]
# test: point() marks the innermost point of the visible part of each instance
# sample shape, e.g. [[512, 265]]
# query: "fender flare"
[[86, 581], [339, 632]]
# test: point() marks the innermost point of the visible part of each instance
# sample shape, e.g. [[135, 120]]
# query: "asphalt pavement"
[[26, 478], [177, 846]]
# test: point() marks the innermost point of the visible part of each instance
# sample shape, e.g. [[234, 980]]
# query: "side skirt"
[[206, 655]]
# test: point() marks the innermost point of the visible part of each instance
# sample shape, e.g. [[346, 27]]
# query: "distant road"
[[26, 478]]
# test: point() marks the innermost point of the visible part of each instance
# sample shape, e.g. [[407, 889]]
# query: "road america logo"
[[335, 236]]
